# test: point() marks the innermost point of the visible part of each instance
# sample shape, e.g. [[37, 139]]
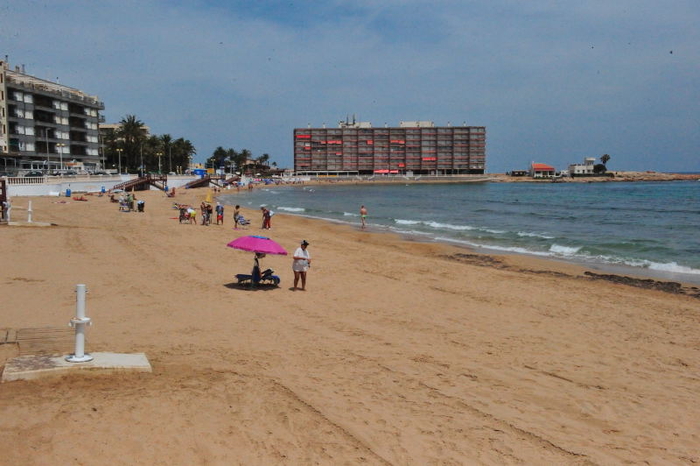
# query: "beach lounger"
[[266, 278]]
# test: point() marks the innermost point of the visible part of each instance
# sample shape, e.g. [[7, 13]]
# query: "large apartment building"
[[415, 147], [46, 126]]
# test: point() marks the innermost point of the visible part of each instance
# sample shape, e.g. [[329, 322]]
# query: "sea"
[[647, 229]]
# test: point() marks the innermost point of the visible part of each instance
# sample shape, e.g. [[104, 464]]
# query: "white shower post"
[[79, 322]]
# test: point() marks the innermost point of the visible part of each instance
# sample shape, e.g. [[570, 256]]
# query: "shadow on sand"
[[249, 287]]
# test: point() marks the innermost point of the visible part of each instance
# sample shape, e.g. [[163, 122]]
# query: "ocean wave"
[[558, 249], [292, 209], [350, 214], [526, 234], [448, 226], [407, 222], [673, 267]]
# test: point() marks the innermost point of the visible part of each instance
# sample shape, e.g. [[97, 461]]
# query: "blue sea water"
[[648, 227]]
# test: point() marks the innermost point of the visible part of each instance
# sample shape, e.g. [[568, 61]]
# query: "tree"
[[604, 158], [166, 142], [132, 134], [262, 160], [183, 150], [599, 169], [218, 158]]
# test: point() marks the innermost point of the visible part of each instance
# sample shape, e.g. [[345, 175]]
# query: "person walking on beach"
[[219, 214], [301, 264], [266, 215], [203, 209], [236, 216], [363, 216]]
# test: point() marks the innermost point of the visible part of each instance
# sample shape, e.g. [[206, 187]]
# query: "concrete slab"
[[33, 367], [30, 224]]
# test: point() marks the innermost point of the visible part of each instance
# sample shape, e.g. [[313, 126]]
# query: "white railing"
[[21, 180], [15, 180]]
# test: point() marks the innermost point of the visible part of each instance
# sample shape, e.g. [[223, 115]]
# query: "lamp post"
[[159, 155], [60, 147], [119, 151]]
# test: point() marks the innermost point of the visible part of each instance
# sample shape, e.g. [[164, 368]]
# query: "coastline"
[[399, 352], [655, 268], [619, 177]]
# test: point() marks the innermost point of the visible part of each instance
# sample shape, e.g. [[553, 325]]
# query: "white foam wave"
[[564, 250], [292, 209], [509, 249], [406, 222], [673, 267], [526, 234], [350, 214], [448, 226]]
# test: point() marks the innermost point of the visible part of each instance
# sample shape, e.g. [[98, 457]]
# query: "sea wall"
[[57, 187]]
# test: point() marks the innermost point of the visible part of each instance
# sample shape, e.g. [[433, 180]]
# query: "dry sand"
[[398, 352]]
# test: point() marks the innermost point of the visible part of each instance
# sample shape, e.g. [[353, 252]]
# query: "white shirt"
[[301, 265]]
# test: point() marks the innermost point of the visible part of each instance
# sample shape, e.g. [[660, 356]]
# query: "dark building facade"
[[415, 147], [45, 125]]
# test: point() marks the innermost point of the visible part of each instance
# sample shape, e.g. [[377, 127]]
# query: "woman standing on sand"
[[301, 264]]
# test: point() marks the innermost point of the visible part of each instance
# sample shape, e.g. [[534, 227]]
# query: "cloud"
[[552, 82]]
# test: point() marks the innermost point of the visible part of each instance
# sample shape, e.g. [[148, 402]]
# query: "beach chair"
[[256, 278]]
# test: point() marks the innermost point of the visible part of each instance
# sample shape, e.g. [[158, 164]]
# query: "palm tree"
[[604, 158], [166, 142], [218, 158], [182, 151], [132, 132]]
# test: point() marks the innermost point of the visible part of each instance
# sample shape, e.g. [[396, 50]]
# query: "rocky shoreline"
[[617, 176]]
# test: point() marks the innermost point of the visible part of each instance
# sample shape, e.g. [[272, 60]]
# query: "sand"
[[397, 353]]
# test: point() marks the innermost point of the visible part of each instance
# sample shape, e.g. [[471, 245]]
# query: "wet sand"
[[399, 352]]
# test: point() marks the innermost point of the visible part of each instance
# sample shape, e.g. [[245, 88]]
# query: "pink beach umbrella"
[[257, 244]]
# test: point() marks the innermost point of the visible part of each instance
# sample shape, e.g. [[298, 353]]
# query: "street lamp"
[[60, 147], [159, 155], [119, 151]]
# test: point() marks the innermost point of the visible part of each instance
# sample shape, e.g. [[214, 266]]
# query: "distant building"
[[541, 170], [586, 168], [415, 147], [45, 125]]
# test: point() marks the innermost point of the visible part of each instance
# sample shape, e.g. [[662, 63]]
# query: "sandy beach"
[[398, 352]]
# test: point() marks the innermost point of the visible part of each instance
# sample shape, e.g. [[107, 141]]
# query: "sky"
[[552, 81]]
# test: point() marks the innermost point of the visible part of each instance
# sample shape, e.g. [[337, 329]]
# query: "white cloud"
[[539, 75]]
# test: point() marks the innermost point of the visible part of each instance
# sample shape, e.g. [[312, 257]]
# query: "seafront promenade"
[[50, 185], [58, 185]]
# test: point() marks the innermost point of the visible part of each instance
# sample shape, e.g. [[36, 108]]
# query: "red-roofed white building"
[[541, 170]]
